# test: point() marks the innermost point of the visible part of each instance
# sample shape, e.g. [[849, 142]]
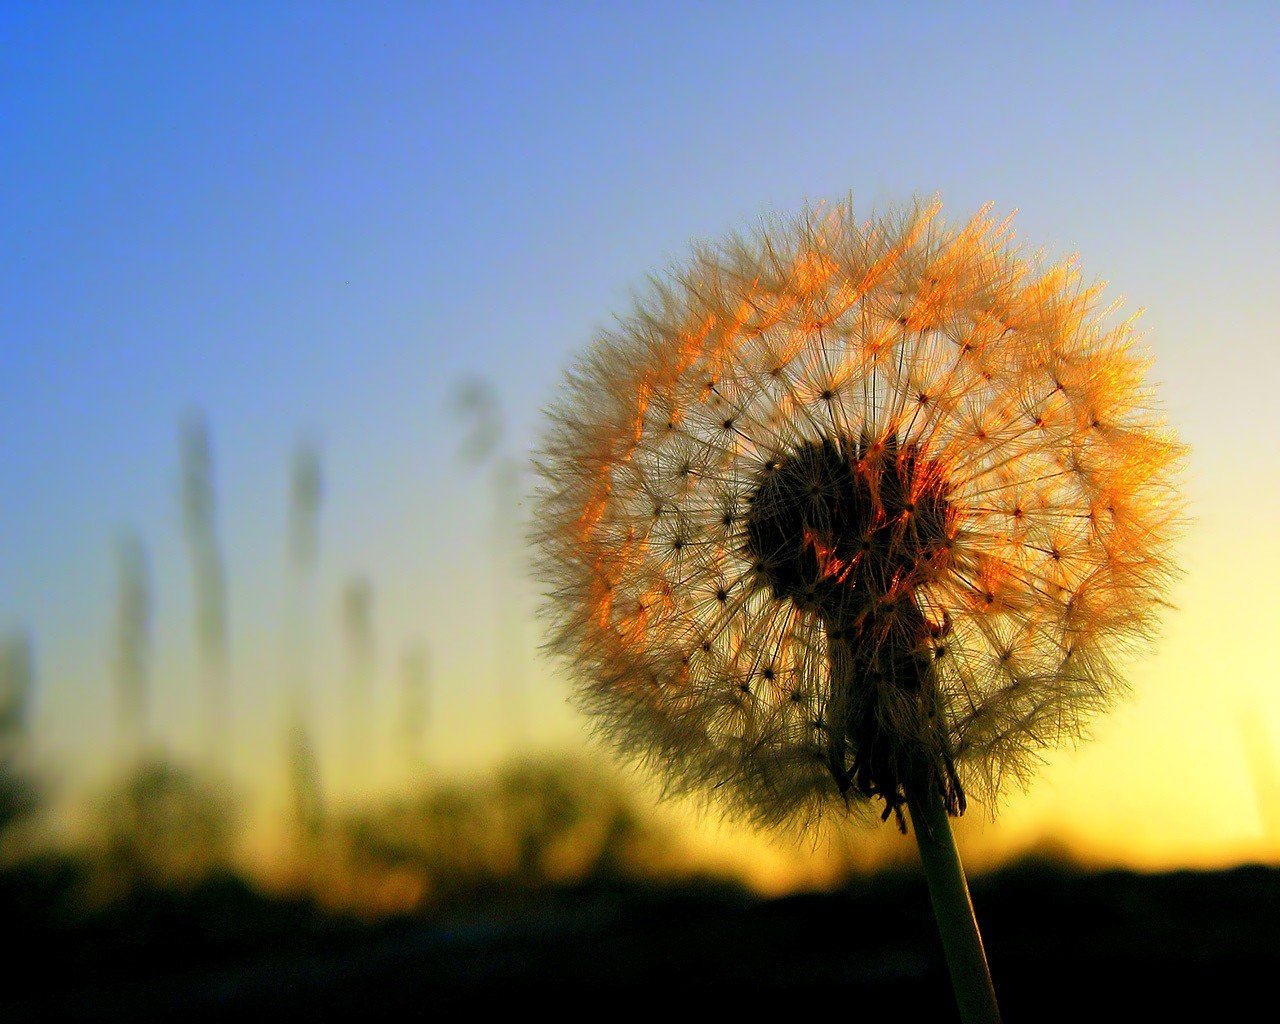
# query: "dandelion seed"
[[953, 505]]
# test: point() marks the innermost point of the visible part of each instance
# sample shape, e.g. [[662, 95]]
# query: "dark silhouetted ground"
[[1063, 945]]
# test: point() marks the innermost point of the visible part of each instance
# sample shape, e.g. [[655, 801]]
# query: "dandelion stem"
[[949, 893]]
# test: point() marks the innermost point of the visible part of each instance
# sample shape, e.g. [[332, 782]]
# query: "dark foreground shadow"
[[1064, 945]]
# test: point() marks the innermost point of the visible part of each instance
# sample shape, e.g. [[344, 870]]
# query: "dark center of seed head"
[[839, 524], [850, 530]]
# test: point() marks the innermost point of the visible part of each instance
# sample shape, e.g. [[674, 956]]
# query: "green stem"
[[949, 892]]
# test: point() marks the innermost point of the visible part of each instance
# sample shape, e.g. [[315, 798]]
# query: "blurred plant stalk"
[[199, 516], [478, 401], [357, 629], [133, 645], [306, 492], [414, 709]]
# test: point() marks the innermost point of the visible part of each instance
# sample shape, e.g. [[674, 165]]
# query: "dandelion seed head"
[[844, 508]]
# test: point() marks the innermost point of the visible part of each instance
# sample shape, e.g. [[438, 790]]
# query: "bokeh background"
[[283, 289]]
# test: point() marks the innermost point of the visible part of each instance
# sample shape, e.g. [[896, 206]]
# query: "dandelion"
[[856, 517]]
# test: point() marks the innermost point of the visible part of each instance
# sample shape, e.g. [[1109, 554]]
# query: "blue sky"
[[315, 219]]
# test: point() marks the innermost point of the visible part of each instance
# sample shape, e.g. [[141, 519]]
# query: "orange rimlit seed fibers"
[[844, 508]]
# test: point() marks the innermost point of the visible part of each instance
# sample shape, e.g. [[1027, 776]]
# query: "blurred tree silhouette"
[[164, 825], [18, 796], [563, 821], [534, 825]]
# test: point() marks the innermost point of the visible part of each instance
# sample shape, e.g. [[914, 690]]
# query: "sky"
[[312, 222]]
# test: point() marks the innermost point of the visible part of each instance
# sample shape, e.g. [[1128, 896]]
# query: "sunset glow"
[[305, 230]]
